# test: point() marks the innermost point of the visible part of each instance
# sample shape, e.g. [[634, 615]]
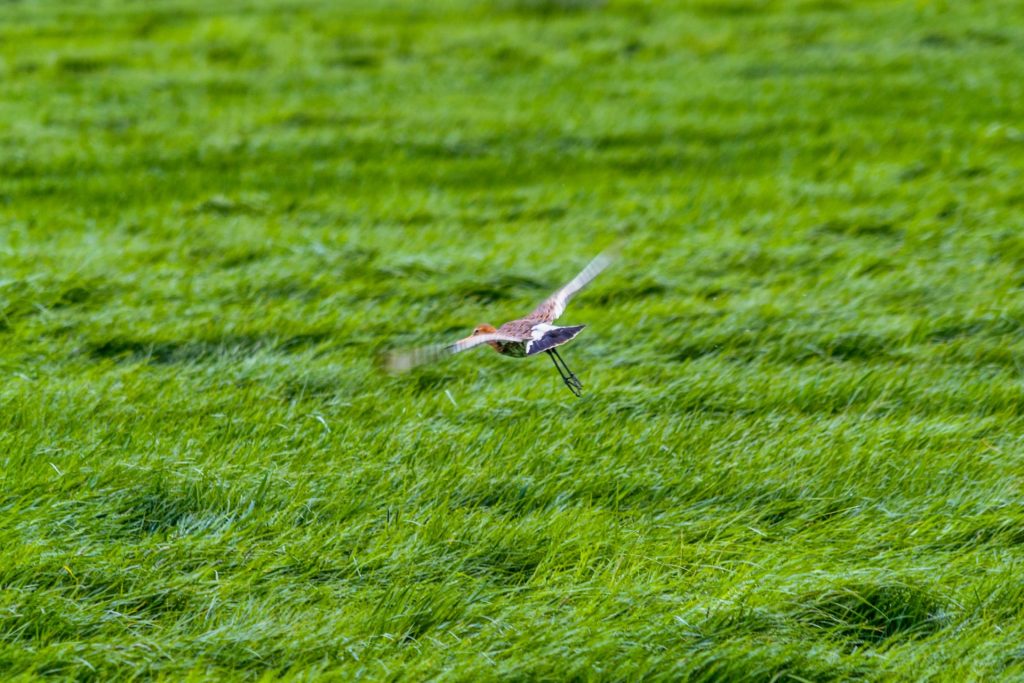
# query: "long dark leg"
[[567, 375], [554, 359], [571, 380]]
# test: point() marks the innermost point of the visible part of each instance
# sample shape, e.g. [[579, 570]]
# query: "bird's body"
[[523, 337], [529, 336]]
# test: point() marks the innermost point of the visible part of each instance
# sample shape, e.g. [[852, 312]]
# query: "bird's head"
[[484, 328]]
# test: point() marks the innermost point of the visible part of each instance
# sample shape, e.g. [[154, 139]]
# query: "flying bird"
[[521, 338]]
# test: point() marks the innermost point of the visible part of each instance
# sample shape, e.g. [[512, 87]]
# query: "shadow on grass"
[[870, 613], [23, 298], [156, 352]]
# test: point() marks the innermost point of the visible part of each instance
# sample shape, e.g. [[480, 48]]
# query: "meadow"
[[798, 453]]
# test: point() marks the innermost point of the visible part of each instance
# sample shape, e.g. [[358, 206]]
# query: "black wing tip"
[[554, 338]]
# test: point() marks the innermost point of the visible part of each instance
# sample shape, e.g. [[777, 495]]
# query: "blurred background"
[[797, 454], [179, 158]]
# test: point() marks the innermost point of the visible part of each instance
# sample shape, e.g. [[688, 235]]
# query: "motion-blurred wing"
[[478, 339], [554, 306], [403, 361]]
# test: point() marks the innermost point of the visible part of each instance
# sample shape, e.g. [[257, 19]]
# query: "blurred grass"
[[799, 452]]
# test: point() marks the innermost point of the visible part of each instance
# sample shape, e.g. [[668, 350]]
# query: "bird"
[[523, 337]]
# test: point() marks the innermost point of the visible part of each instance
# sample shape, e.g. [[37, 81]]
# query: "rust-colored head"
[[484, 328]]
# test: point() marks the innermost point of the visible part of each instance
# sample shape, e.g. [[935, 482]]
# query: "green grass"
[[799, 454]]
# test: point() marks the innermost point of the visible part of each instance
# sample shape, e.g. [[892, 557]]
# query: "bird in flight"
[[527, 336]]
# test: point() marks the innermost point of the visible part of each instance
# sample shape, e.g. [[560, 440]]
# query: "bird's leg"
[[567, 375], [571, 380], [557, 366], [567, 378]]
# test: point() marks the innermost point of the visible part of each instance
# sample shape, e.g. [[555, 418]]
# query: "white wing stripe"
[[537, 333]]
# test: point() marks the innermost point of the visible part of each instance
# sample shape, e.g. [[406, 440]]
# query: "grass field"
[[798, 456]]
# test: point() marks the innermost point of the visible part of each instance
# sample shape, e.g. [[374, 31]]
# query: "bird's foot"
[[574, 384]]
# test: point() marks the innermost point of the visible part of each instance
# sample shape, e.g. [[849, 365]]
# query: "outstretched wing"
[[403, 361], [478, 339], [547, 337], [554, 305]]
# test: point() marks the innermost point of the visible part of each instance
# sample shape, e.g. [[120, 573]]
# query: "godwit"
[[523, 337]]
